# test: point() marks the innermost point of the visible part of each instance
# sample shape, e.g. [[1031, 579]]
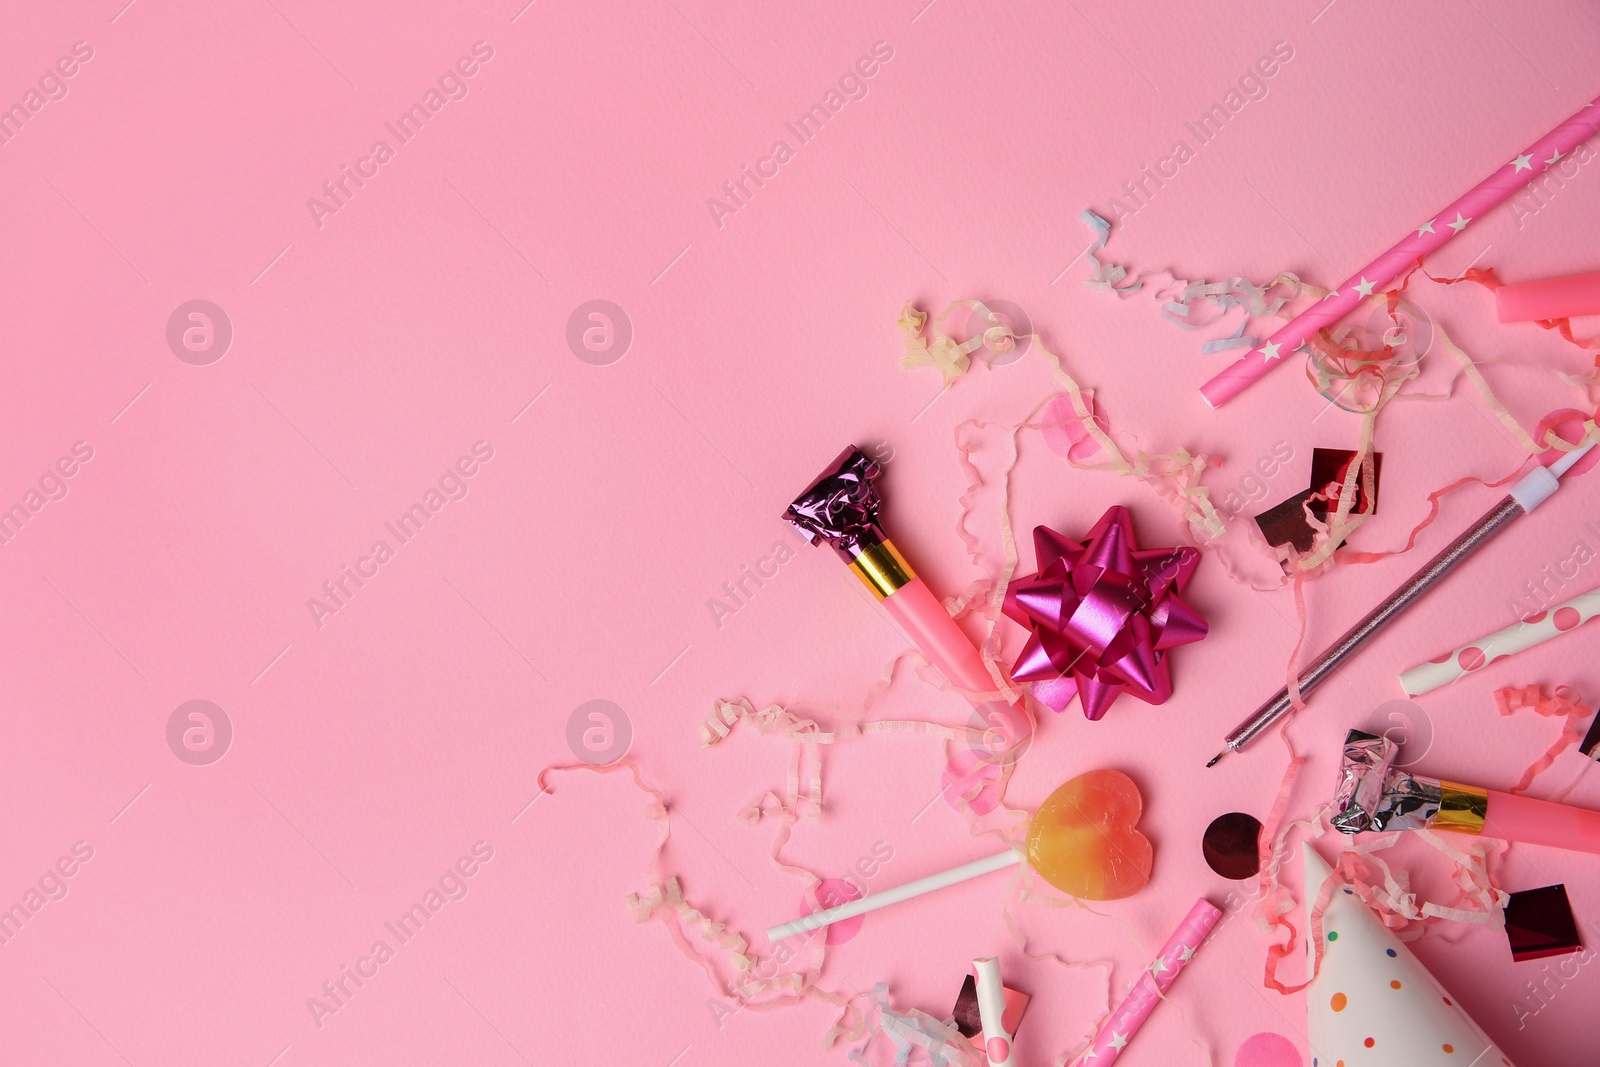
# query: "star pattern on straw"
[[1118, 1041], [1426, 227], [1522, 163], [1365, 287], [1460, 223], [1551, 161], [1269, 351]]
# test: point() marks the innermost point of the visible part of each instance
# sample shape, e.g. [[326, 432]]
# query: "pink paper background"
[[371, 753]]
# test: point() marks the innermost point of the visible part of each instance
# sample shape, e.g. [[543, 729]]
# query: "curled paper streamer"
[[939, 349], [1564, 703], [907, 1032], [1105, 276], [1175, 476], [663, 899], [1182, 298], [1468, 368]]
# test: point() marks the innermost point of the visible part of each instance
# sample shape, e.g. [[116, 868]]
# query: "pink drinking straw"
[[1151, 986], [1539, 157]]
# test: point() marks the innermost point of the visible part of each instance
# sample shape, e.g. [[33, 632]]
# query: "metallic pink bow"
[[1103, 615]]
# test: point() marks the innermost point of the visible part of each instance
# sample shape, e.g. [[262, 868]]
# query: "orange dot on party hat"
[[1449, 1048], [1394, 984], [1084, 839], [1339, 1001]]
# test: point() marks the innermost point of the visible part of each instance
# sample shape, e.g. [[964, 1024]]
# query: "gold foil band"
[[1462, 808], [882, 569]]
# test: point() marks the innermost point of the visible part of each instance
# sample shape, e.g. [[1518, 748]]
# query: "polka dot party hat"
[[1373, 1004]]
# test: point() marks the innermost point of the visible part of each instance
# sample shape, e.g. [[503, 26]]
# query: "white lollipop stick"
[[991, 1012], [874, 901]]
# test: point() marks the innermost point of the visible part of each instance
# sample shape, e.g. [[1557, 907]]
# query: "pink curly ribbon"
[[1275, 900], [1564, 703]]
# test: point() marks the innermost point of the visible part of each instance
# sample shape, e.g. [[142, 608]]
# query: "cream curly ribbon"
[[802, 797], [1175, 475], [663, 899]]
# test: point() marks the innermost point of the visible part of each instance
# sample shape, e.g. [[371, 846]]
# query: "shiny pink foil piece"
[[1102, 615]]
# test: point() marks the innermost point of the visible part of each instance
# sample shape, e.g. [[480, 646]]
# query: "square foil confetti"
[[1539, 923]]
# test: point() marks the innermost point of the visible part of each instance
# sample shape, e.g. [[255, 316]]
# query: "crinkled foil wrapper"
[[1373, 795], [841, 506]]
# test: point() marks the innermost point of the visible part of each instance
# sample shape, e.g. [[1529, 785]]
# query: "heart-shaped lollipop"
[[1084, 840]]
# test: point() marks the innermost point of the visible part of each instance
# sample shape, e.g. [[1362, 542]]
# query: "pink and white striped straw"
[[1539, 157]]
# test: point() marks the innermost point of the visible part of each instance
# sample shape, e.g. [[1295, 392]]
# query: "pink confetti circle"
[[1567, 618], [1064, 432], [1470, 658], [998, 1049], [971, 781], [1267, 1049], [831, 893]]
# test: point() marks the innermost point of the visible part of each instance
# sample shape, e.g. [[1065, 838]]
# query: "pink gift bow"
[[1102, 614]]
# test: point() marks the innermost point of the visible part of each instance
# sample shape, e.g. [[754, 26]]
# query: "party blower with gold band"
[[841, 508], [1376, 795]]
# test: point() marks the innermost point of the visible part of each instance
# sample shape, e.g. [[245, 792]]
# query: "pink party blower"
[[1551, 298], [841, 507], [1151, 987], [1378, 796], [1487, 194]]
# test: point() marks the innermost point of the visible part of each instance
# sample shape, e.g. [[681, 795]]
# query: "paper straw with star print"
[[1539, 157], [1151, 986]]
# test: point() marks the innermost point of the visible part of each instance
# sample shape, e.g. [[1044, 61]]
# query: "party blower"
[[841, 507], [1375, 795], [1083, 840]]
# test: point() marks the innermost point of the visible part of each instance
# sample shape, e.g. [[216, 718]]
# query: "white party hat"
[[1373, 1004]]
